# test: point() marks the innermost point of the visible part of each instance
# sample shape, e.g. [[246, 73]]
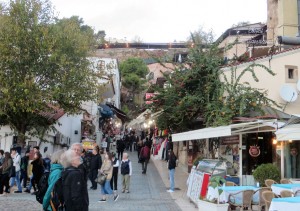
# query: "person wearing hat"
[[16, 163], [114, 179]]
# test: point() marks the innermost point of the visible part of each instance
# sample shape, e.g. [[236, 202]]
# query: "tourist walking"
[[77, 148], [172, 163], [5, 169], [37, 171], [55, 173], [126, 171], [114, 179], [107, 169], [139, 147], [95, 166], [24, 167], [120, 148], [75, 191], [145, 157], [16, 163]]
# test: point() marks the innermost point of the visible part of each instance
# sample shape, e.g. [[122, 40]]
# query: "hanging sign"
[[254, 151]]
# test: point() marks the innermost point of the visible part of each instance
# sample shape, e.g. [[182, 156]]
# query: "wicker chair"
[[269, 182], [268, 196], [228, 183], [246, 201], [286, 193], [285, 181], [261, 202]]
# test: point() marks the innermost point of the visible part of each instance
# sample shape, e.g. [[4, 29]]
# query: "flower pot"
[[209, 206]]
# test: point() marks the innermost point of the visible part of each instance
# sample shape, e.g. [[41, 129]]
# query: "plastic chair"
[[286, 193], [246, 201], [269, 182], [285, 181], [261, 202], [228, 183], [268, 196]]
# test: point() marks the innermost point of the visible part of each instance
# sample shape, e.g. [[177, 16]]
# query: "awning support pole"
[[282, 159], [240, 158]]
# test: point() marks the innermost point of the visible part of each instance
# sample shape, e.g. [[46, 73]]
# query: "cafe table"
[[227, 190], [284, 204], [277, 188]]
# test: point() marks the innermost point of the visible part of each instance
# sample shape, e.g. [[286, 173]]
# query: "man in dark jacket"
[[75, 192], [24, 166], [172, 163], [95, 165], [120, 148]]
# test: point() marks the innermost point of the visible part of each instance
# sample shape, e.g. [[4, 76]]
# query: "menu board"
[[197, 184]]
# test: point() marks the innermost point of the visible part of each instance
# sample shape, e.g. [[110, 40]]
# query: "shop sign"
[[230, 140], [254, 151]]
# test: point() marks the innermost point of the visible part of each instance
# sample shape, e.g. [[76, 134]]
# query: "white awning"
[[234, 129], [289, 132]]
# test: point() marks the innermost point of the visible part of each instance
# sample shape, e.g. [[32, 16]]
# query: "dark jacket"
[[120, 145], [172, 162], [96, 162], [6, 166], [37, 169], [75, 190], [24, 163]]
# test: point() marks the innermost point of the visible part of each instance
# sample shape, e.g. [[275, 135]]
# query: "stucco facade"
[[278, 63]]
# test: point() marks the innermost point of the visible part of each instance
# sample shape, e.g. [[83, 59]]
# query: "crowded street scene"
[[137, 105]]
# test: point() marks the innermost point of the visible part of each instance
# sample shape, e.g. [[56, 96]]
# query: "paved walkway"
[[147, 192]]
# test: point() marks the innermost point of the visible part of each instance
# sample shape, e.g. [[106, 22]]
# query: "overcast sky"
[[162, 20]]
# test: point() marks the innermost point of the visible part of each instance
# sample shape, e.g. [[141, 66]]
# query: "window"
[[291, 74]]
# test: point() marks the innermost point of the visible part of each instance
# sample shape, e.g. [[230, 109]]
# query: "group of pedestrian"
[[13, 170]]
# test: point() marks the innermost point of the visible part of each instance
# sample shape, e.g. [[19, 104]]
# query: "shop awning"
[[229, 130], [120, 114], [289, 132]]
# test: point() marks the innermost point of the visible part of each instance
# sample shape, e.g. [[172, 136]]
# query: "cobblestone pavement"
[[147, 192]]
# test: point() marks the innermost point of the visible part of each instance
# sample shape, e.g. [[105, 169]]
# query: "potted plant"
[[266, 171], [213, 203]]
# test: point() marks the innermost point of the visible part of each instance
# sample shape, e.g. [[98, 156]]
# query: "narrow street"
[[147, 192]]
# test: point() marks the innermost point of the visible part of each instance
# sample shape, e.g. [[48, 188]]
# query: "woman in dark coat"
[[75, 192], [37, 170], [6, 166]]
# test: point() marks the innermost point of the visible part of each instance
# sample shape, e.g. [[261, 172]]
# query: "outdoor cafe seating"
[[284, 204]]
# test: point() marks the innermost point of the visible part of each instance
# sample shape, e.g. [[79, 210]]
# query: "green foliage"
[[199, 89], [217, 181], [43, 61], [266, 171], [196, 161]]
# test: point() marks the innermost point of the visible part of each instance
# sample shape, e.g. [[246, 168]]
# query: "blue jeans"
[[31, 183], [106, 189], [16, 180], [172, 175]]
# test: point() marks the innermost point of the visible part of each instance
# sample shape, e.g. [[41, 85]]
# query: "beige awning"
[[289, 132], [234, 129]]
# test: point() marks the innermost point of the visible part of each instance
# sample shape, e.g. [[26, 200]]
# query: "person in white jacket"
[[16, 163]]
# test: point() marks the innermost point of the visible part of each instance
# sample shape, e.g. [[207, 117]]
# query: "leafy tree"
[[197, 92], [43, 66]]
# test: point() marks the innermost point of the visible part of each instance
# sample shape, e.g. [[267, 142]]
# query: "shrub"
[[266, 171]]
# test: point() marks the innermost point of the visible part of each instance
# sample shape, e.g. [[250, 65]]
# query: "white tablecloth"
[[277, 188], [285, 204], [213, 193]]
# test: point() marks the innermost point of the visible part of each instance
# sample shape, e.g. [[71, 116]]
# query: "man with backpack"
[[145, 157], [24, 167], [126, 171]]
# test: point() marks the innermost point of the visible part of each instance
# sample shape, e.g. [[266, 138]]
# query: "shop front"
[[243, 145], [288, 147]]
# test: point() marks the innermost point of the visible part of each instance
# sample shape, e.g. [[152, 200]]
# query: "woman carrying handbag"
[[107, 168]]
